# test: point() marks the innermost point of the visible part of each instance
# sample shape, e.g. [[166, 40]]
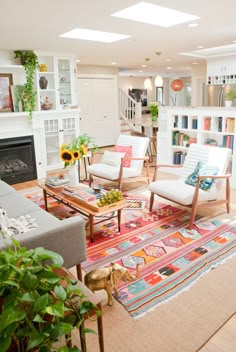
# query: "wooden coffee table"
[[82, 206]]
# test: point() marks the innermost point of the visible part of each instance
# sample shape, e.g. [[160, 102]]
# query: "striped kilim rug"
[[171, 257]]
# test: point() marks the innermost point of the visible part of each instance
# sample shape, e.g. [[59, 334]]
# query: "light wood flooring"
[[224, 340]]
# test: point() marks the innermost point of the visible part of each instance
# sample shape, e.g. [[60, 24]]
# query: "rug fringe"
[[187, 288]]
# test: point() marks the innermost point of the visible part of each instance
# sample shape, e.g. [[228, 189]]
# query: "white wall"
[[198, 78]]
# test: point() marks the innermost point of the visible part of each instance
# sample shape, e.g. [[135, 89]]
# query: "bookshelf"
[[180, 126]]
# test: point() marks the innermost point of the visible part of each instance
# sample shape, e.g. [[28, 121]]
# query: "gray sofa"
[[66, 237]]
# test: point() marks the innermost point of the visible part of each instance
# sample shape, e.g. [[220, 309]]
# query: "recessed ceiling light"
[[113, 63], [97, 36], [192, 25], [194, 63], [234, 41], [200, 47], [169, 68], [78, 60], [140, 71], [143, 65], [168, 60], [153, 14]]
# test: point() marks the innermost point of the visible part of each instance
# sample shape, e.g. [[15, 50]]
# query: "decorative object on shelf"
[[30, 63], [47, 105], [42, 300], [43, 82], [185, 140], [154, 110], [43, 68], [5, 94], [230, 95], [158, 79], [17, 97]]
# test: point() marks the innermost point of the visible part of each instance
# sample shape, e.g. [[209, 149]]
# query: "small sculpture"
[[43, 82], [109, 279], [47, 105]]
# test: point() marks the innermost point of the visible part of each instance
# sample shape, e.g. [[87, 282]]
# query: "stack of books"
[[56, 181], [82, 192]]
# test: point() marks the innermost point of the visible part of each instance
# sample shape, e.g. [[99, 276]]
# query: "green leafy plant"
[[186, 138], [75, 150], [153, 108], [231, 94], [30, 62], [39, 300]]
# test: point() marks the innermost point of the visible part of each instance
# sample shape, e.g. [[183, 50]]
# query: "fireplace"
[[17, 159]]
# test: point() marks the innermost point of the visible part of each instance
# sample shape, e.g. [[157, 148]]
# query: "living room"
[[98, 72]]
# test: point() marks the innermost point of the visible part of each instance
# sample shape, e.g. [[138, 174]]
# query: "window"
[[159, 95]]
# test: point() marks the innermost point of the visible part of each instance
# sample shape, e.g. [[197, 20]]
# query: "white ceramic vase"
[[73, 175], [228, 103]]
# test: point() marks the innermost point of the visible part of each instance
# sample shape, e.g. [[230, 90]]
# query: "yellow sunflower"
[[84, 149], [67, 156], [76, 155]]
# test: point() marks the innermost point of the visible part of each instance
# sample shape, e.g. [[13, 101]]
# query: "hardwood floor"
[[224, 340]]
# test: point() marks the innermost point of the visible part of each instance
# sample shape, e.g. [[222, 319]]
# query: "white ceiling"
[[27, 24]]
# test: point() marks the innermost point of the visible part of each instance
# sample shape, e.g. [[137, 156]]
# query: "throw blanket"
[[11, 226]]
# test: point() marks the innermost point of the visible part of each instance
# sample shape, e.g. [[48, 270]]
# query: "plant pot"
[[228, 103]]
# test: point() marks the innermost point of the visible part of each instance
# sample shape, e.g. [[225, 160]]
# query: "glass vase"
[[73, 175]]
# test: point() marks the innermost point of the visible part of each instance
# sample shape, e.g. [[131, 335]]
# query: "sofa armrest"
[[68, 238]]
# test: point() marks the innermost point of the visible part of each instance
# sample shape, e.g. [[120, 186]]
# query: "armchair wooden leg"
[[151, 202], [90, 180]]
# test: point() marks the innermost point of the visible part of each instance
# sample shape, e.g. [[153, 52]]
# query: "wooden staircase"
[[130, 113]]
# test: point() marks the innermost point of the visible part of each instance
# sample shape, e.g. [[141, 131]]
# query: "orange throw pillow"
[[127, 149]]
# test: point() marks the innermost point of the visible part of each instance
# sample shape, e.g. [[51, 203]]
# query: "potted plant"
[[39, 300], [154, 110], [30, 62], [185, 140], [230, 95]]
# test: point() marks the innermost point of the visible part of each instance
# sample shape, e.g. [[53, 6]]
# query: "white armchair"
[[117, 166], [200, 180]]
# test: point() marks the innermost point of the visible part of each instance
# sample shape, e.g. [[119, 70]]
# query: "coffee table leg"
[[119, 218], [91, 227], [45, 199]]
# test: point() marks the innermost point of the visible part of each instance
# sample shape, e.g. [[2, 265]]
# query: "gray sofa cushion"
[[66, 237]]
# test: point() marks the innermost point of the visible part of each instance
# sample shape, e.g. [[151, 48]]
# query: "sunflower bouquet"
[[75, 150]]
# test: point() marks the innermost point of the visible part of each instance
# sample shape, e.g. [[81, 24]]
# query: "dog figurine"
[[109, 279]]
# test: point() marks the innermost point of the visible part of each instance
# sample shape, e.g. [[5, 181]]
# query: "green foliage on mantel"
[[30, 62]]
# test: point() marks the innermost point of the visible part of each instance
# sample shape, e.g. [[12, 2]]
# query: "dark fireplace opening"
[[17, 159]]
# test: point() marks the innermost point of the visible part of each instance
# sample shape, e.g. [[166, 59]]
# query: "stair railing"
[[130, 110]]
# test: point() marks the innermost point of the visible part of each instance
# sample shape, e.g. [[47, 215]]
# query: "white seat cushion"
[[111, 172], [180, 192]]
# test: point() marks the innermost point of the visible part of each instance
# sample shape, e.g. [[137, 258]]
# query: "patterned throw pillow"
[[127, 149], [201, 170]]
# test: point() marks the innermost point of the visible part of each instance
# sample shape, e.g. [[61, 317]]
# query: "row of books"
[[178, 138], [178, 158], [229, 125], [228, 142], [56, 181]]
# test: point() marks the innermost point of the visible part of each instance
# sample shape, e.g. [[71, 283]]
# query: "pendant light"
[[158, 79], [130, 87], [148, 82]]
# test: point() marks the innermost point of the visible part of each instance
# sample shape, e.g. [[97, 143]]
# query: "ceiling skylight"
[[153, 14], [92, 35]]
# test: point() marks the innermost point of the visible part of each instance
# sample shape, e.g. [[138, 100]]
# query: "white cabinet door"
[[97, 103], [58, 130]]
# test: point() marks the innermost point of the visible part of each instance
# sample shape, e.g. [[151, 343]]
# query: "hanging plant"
[[30, 62]]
